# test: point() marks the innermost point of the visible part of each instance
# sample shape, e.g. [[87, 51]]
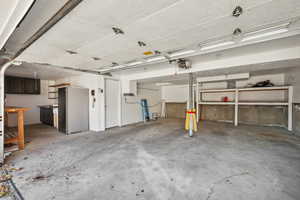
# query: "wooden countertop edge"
[[15, 109]]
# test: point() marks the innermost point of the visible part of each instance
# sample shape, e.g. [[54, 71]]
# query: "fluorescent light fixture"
[[180, 53], [134, 63], [118, 66], [157, 58], [163, 84], [253, 36], [213, 46]]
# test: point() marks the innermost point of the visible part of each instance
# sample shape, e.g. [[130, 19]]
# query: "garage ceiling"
[[84, 38], [43, 72]]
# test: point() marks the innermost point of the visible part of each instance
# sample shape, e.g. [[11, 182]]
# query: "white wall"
[[92, 82], [131, 111], [30, 101], [277, 79], [179, 93], [131, 108], [175, 93], [292, 78]]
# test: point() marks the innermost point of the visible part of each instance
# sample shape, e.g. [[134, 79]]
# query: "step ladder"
[[145, 110]]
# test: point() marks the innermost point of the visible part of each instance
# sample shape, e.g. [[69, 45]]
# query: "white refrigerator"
[[73, 110]]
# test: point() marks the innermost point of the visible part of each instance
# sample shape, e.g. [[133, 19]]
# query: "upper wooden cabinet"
[[19, 85]]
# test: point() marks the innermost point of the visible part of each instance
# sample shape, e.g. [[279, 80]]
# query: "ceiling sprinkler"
[[237, 32], [117, 30]]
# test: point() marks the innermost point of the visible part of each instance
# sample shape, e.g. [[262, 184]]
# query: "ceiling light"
[[119, 66], [163, 84], [180, 53], [117, 30], [134, 63], [157, 58], [217, 45], [253, 36]]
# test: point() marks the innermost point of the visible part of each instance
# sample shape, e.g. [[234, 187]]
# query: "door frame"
[[119, 99]]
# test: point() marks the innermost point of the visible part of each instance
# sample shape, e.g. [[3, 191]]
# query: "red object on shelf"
[[225, 99]]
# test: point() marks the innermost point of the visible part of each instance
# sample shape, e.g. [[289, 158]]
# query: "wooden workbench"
[[20, 136]]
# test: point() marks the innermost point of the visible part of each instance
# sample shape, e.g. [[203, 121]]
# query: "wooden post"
[[21, 142]]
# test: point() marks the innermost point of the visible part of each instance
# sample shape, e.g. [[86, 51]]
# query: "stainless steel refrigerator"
[[73, 110]]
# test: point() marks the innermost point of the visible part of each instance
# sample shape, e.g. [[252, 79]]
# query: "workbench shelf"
[[237, 102]]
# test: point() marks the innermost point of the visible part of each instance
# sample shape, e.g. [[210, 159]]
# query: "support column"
[[197, 101], [290, 108], [191, 106], [236, 108]]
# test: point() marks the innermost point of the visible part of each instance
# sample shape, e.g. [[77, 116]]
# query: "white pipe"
[[191, 106], [2, 73]]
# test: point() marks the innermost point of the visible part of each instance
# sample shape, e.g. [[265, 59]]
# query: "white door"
[[112, 103]]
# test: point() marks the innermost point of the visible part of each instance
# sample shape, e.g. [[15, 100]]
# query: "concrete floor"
[[157, 161]]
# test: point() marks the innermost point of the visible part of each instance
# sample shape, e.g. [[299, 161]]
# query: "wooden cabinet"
[[31, 86], [19, 85], [46, 115], [62, 112]]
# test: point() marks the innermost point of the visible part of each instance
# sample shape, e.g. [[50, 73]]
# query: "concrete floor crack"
[[212, 187]]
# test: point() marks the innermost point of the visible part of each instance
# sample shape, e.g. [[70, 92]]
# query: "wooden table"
[[20, 137]]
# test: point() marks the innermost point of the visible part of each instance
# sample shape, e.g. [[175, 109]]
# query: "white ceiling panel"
[[272, 12], [164, 25], [42, 53], [107, 45], [119, 13], [178, 18], [41, 71], [94, 64], [76, 33]]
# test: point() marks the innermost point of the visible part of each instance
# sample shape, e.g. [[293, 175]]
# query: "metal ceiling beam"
[[66, 9]]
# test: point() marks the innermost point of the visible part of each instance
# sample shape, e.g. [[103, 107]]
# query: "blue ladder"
[[145, 110]]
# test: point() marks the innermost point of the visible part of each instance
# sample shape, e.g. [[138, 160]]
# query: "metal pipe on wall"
[[2, 100]]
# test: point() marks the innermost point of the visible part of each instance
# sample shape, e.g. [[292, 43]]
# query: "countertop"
[[49, 106]]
